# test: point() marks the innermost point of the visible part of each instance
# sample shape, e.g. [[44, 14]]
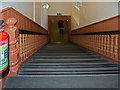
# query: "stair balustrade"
[[102, 37], [25, 38]]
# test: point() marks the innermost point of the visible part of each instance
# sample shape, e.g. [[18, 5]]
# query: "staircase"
[[66, 66]]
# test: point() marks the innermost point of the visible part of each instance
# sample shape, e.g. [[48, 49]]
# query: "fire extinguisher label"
[[3, 55]]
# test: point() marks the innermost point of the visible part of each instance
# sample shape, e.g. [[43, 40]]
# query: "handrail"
[[103, 26], [30, 32], [21, 15], [8, 13], [97, 33]]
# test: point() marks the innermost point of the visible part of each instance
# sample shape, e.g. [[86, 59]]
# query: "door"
[[54, 31]]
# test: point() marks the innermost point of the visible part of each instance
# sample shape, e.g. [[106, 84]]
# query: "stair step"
[[62, 54], [82, 59], [38, 57], [66, 69], [69, 73], [95, 66], [66, 61], [65, 51], [65, 66], [87, 56], [92, 64], [62, 48]]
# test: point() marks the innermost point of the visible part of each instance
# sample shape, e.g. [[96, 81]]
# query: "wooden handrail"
[[10, 8], [7, 14], [91, 28], [97, 33]]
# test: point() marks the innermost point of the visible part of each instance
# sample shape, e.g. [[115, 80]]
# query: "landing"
[[63, 82]]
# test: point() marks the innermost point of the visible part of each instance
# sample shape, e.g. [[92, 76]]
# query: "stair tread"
[[72, 66], [65, 58], [67, 69], [69, 60], [70, 73], [68, 63]]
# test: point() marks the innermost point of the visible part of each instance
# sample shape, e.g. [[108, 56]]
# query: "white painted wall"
[[38, 12], [32, 10], [92, 12], [0, 5], [26, 8], [44, 17], [64, 7], [41, 15]]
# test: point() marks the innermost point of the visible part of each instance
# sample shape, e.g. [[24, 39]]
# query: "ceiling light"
[[44, 6], [47, 6]]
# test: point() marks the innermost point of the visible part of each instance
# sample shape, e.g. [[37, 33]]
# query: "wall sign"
[[59, 13]]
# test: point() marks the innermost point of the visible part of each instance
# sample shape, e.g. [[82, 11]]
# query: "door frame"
[[69, 24]]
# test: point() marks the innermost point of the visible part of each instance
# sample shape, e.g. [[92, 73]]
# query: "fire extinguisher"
[[4, 64]]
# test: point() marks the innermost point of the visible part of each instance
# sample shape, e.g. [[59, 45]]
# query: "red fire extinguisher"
[[3, 53]]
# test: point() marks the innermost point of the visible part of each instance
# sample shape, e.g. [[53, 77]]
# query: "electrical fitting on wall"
[[45, 5]]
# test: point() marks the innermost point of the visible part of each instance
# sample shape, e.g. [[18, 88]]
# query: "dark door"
[[54, 30]]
